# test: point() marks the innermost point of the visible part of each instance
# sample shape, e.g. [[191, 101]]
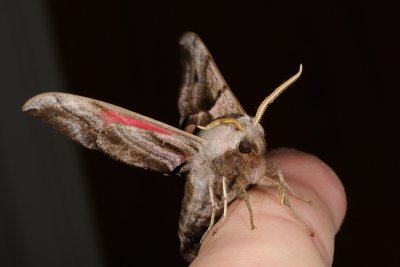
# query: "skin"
[[279, 239]]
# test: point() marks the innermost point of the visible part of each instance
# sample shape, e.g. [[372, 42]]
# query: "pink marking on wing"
[[111, 116]]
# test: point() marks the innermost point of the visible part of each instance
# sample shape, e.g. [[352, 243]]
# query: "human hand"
[[280, 240]]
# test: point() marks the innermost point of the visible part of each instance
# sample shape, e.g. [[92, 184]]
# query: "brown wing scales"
[[204, 94], [124, 135]]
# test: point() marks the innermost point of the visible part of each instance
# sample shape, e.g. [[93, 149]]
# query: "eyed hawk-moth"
[[221, 150]]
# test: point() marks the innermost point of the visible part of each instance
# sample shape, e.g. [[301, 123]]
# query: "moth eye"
[[195, 78], [245, 147]]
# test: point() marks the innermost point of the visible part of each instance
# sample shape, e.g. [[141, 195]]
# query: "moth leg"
[[221, 222], [288, 189], [242, 194], [214, 208], [225, 196], [284, 191], [284, 188]]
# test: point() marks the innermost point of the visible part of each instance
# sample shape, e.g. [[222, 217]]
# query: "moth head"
[[235, 133], [241, 133], [252, 142]]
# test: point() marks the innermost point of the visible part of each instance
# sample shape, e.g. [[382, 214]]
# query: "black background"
[[343, 109]]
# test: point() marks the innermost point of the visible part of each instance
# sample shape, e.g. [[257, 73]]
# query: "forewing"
[[146, 149], [204, 94], [122, 134]]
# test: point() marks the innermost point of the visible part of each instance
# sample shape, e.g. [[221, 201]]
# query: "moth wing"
[[146, 149], [204, 94], [120, 133]]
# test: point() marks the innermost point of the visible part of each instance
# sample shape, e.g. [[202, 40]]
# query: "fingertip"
[[311, 172], [314, 179]]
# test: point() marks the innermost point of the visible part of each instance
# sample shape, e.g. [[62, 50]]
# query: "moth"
[[221, 151]]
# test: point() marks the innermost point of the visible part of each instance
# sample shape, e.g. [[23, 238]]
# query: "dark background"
[[61, 205]]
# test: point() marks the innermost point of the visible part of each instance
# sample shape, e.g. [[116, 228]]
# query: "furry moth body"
[[225, 157]]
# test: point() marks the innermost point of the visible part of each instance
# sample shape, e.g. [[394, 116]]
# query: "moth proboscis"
[[220, 161]]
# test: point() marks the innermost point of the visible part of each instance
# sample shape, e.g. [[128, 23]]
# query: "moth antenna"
[[219, 121], [274, 95]]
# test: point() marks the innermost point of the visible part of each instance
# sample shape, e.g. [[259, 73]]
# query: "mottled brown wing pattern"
[[145, 149], [204, 94], [120, 133]]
